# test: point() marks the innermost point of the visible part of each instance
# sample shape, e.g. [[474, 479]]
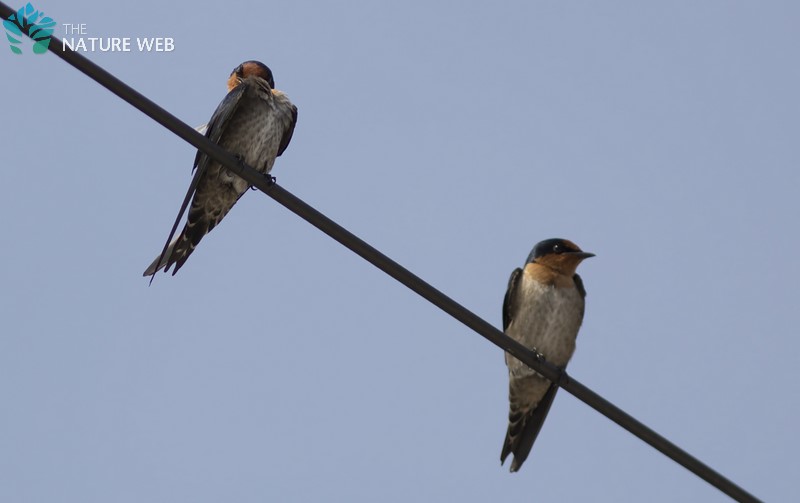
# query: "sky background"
[[453, 136]]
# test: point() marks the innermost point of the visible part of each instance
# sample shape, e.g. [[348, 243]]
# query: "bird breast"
[[256, 129], [548, 320]]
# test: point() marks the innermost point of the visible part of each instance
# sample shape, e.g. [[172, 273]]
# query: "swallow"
[[255, 122], [542, 310]]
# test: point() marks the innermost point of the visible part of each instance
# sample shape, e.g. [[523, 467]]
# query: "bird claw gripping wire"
[[539, 356], [271, 180]]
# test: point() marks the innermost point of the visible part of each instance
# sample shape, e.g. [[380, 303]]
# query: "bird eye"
[[558, 249]]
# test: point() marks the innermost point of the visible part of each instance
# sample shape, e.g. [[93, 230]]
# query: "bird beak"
[[582, 255]]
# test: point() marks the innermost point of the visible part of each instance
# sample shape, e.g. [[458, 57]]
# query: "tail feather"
[[523, 428], [178, 250], [163, 258], [216, 192]]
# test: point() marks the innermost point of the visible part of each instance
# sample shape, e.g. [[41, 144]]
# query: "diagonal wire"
[[395, 270]]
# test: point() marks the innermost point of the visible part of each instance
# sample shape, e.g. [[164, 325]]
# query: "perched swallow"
[[543, 310], [255, 122]]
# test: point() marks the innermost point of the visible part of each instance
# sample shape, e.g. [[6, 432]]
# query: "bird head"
[[247, 69], [561, 255]]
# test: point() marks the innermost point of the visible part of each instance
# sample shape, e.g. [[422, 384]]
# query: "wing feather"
[[510, 303], [216, 125], [287, 135]]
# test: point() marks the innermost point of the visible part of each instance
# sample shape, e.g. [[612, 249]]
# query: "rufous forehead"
[[252, 69]]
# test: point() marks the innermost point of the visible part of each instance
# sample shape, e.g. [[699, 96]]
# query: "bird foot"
[[539, 356], [270, 182]]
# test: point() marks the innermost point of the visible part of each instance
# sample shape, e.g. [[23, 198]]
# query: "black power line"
[[395, 270]]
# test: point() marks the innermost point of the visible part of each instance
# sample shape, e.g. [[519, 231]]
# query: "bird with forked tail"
[[255, 122], [542, 310]]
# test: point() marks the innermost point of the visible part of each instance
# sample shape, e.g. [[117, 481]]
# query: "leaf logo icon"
[[28, 20]]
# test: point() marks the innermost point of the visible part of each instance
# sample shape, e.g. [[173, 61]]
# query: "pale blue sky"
[[278, 366]]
